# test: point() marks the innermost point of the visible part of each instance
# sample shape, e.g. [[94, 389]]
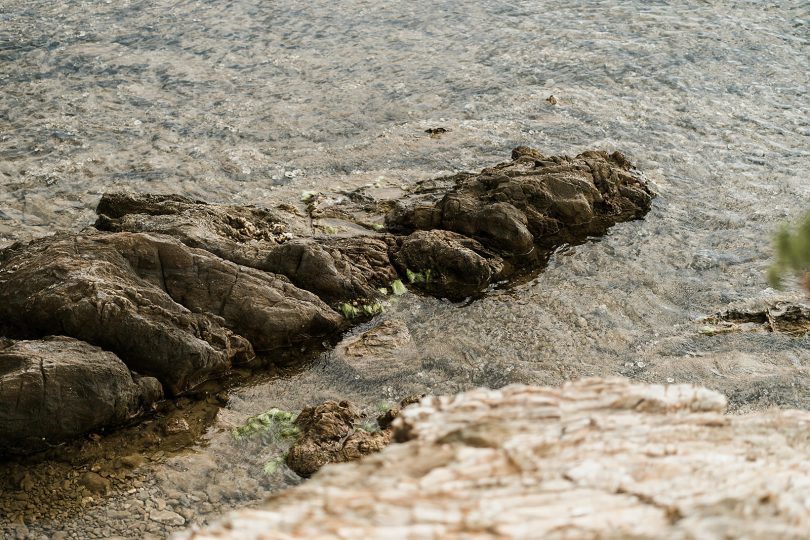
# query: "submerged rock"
[[378, 352], [593, 459], [56, 388]]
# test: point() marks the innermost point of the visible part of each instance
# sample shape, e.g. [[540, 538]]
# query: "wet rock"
[[169, 311], [503, 212], [56, 388], [132, 461], [330, 433], [167, 517], [335, 270], [94, 482], [786, 317], [437, 132], [379, 351], [175, 426], [447, 264], [531, 462], [532, 200]]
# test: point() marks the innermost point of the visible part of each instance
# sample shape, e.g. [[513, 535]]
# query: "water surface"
[[256, 101]]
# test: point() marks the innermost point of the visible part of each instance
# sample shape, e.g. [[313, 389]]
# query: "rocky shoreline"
[[180, 291], [597, 458], [119, 343]]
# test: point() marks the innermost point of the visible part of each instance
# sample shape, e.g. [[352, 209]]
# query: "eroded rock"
[[331, 433], [55, 388], [786, 317], [458, 230], [534, 200], [176, 313], [377, 353], [337, 270], [593, 459]]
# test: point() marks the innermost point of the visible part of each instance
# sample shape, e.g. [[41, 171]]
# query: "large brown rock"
[[56, 388], [331, 433], [458, 230], [176, 313], [336, 270], [534, 200], [593, 459]]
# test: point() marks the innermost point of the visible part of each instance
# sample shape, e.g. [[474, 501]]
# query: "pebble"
[[167, 516], [94, 482]]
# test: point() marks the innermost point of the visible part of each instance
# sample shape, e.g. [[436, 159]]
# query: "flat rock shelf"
[[596, 458]]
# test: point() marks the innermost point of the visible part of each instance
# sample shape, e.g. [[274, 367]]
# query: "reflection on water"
[[256, 101]]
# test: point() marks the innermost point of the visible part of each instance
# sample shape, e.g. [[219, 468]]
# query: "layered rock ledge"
[[183, 291], [593, 459]]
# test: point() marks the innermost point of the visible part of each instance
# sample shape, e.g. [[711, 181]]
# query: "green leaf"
[[398, 287]]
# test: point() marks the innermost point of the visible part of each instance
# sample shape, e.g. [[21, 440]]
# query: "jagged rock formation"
[[54, 388], [786, 317], [504, 212], [331, 433], [534, 200], [167, 310], [182, 290], [593, 459]]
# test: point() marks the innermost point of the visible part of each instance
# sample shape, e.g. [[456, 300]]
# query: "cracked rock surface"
[[594, 458], [54, 388], [167, 310]]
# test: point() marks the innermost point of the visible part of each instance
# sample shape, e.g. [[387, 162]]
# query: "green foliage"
[[274, 423], [418, 277], [354, 310], [792, 253], [369, 426], [272, 466], [349, 311], [398, 287]]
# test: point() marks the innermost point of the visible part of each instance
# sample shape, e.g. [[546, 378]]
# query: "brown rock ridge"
[[593, 459], [167, 310], [464, 231]]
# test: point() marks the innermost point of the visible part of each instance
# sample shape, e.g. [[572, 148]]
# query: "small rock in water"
[[436, 133], [167, 517], [94, 482], [175, 426]]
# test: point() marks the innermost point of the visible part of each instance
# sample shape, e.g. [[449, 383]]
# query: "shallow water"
[[254, 102]]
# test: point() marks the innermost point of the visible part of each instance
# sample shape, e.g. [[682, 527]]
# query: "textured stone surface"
[[786, 317], [56, 388], [593, 459], [534, 200], [331, 433], [457, 229], [176, 313]]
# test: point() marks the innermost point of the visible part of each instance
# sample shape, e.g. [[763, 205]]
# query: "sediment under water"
[[257, 102]]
